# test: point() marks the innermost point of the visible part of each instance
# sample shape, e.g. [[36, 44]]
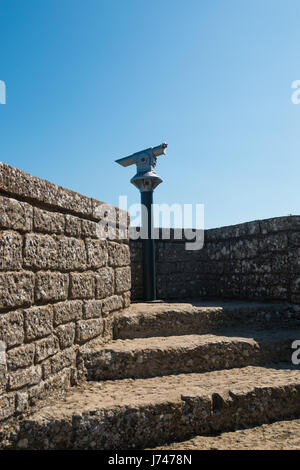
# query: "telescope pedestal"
[[148, 247]]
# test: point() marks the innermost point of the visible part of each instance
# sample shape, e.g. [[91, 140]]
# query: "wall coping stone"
[[19, 184]]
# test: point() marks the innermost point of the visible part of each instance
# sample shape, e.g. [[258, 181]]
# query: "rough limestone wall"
[[258, 260], [59, 286]]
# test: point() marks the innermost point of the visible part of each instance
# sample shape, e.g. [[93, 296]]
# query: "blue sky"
[[89, 81]]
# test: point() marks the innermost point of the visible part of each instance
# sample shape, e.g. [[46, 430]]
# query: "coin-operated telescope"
[[146, 180]]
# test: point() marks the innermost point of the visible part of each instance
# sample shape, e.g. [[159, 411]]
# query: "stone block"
[[22, 401], [104, 283], [46, 348], [10, 251], [278, 224], [59, 381], [22, 377], [118, 254], [82, 285], [111, 304], [89, 228], [92, 309], [97, 253], [54, 252], [274, 242], [15, 215], [38, 322], [65, 335], [18, 182], [122, 280], [12, 328], [220, 251], [63, 359], [20, 357], [88, 329], [73, 226], [65, 312], [127, 299], [243, 249], [49, 222], [51, 286], [7, 407]]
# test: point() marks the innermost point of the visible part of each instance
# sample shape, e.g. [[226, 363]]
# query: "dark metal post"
[[149, 271]]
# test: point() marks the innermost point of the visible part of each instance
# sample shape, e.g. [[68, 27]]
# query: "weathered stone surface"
[[127, 299], [36, 393], [59, 381], [154, 356], [131, 414], [89, 229], [22, 184], [92, 309], [45, 348], [231, 231], [72, 253], [22, 401], [274, 242], [15, 215], [278, 224], [97, 253], [54, 252], [20, 357], [294, 260], [73, 226], [49, 222], [3, 379], [7, 407], [50, 252], [218, 251], [105, 213], [65, 335], [40, 252], [295, 238], [66, 312], [111, 304], [118, 254], [63, 359], [51, 286], [255, 260], [10, 251], [243, 249], [295, 287], [122, 280], [38, 322], [82, 285], [104, 283], [12, 328], [88, 329], [30, 376]]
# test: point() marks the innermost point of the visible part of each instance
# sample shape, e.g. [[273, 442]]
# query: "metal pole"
[[148, 247]]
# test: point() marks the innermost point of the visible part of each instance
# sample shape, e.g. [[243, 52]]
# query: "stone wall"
[[59, 285], [258, 260]]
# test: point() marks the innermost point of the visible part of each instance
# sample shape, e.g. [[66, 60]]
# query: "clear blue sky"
[[89, 81]]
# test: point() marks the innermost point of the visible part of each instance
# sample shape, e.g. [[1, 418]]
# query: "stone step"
[[150, 357], [139, 413], [280, 435], [143, 320]]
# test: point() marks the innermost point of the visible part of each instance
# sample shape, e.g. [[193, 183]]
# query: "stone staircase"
[[175, 370]]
